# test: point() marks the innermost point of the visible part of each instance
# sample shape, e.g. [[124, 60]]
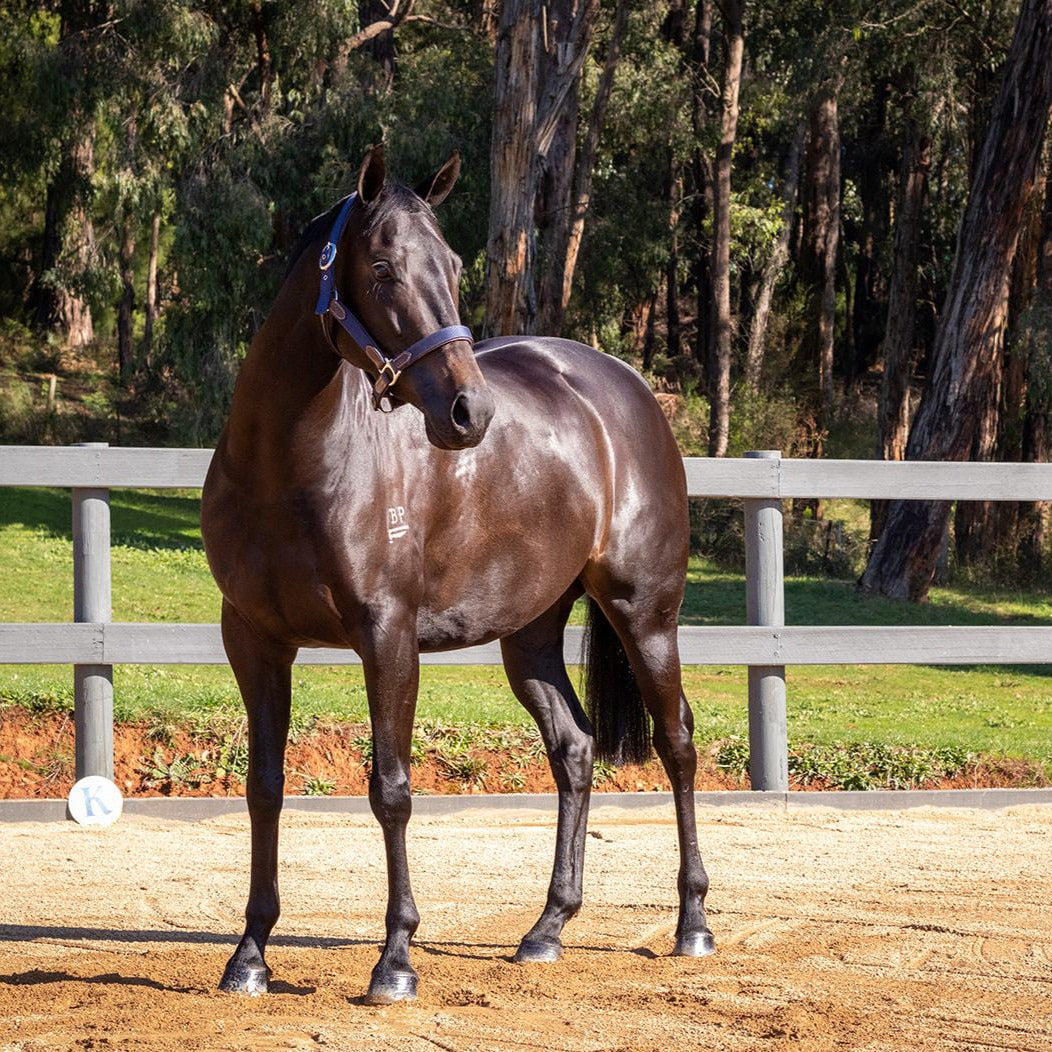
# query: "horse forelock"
[[395, 200]]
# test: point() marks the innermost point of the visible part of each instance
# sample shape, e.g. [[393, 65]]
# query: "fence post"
[[765, 605], [92, 684]]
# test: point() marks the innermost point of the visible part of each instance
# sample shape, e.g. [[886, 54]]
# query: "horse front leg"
[[263, 673], [392, 677]]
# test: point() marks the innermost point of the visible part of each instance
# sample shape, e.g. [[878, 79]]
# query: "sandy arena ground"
[[916, 930]]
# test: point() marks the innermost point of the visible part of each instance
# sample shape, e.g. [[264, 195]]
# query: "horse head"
[[391, 281]]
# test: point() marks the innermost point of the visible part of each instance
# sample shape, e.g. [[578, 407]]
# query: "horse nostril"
[[461, 413]]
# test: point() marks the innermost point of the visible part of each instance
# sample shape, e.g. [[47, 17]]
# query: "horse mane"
[[317, 228]]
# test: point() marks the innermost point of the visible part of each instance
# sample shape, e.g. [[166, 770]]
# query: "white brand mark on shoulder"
[[396, 524]]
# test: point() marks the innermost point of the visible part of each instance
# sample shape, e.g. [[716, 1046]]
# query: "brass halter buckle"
[[389, 373]]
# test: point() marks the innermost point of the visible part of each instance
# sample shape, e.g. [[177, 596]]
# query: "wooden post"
[[92, 684], [765, 605]]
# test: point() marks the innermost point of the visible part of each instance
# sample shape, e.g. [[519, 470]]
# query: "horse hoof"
[[250, 979], [696, 944], [532, 951], [393, 987]]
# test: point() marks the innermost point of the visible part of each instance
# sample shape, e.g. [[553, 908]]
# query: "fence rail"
[[774, 478], [129, 643], [93, 644]]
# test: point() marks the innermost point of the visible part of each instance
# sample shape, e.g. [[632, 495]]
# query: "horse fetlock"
[[260, 918], [564, 905], [692, 886], [402, 921], [390, 797]]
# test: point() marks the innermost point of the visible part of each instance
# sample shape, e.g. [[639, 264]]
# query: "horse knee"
[[390, 797], [265, 794]]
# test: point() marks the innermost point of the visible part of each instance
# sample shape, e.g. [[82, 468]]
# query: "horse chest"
[[294, 576]]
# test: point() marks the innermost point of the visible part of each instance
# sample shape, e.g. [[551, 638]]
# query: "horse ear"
[[372, 174], [436, 189]]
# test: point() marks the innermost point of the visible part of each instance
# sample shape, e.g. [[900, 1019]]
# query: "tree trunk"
[[69, 245], [893, 411], [984, 530], [871, 177], [553, 213], [264, 64], [1037, 338], [720, 266], [381, 46], [511, 303], [531, 100], [648, 332], [1030, 548], [674, 197], [125, 311], [703, 178], [488, 18], [821, 234], [557, 199], [69, 235], [582, 196], [151, 287], [966, 359], [772, 270], [674, 30]]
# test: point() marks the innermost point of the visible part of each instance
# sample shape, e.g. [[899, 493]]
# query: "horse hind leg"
[[533, 660], [263, 674], [648, 634]]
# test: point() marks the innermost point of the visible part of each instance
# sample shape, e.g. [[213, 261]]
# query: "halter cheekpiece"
[[388, 369]]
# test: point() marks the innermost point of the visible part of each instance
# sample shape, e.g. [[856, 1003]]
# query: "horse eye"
[[382, 271]]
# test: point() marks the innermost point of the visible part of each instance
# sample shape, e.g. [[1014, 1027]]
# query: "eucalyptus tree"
[[967, 357]]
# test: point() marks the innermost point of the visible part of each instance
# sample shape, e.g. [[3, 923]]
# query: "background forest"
[[820, 227]]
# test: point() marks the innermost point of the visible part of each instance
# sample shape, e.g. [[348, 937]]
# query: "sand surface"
[[916, 930]]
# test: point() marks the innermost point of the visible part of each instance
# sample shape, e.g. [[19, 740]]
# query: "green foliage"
[[874, 765], [732, 757], [19, 416], [316, 784], [175, 771], [854, 765]]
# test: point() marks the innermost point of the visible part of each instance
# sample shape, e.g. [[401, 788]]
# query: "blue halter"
[[388, 369]]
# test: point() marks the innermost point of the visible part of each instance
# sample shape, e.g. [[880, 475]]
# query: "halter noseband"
[[388, 369]]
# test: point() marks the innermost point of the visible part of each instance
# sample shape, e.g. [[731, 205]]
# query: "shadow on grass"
[[167, 520], [139, 519], [715, 598]]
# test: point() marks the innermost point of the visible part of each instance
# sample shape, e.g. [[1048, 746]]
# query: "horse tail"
[[612, 695]]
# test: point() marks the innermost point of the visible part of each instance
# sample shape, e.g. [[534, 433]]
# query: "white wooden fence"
[[93, 644]]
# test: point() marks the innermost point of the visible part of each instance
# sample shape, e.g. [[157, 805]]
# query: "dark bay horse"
[[534, 471]]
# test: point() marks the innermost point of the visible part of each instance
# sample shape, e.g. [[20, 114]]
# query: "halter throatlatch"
[[388, 370]]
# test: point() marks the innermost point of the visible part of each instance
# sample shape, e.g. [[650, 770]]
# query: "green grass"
[[160, 574]]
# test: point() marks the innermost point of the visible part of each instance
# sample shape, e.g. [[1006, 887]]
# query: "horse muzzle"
[[467, 422]]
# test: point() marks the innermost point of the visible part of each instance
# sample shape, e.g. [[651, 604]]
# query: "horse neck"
[[293, 389]]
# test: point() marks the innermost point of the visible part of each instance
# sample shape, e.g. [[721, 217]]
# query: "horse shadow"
[[471, 951]]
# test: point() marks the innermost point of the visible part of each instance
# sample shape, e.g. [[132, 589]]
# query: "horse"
[[533, 471]]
